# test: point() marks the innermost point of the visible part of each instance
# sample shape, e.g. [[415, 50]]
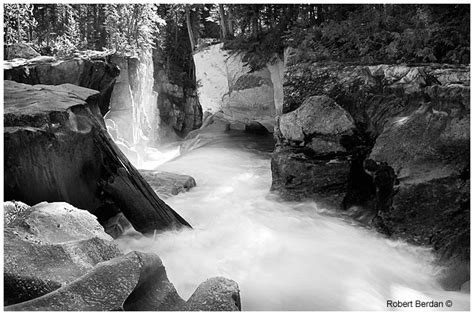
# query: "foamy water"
[[283, 255]]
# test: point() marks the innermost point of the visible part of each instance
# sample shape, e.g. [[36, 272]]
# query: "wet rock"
[[215, 294], [297, 176], [57, 149], [167, 184], [91, 70], [136, 281], [49, 245]]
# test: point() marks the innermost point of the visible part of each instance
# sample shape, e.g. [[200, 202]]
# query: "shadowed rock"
[[57, 149]]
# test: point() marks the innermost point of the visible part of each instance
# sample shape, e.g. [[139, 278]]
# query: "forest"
[[392, 33]]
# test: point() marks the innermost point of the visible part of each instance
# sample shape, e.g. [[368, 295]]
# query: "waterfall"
[[133, 116]]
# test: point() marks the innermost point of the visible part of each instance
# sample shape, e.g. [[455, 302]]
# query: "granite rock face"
[[226, 84], [57, 149], [407, 159], [92, 70]]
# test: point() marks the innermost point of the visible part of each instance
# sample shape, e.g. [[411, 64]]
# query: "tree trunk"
[[223, 22], [190, 29], [230, 23]]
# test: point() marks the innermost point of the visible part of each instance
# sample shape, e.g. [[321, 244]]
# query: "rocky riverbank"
[[58, 258], [390, 141]]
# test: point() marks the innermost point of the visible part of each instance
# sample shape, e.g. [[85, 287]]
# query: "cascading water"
[[133, 117], [283, 255]]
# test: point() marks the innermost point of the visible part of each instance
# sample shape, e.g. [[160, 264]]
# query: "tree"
[[189, 27], [19, 23], [131, 28]]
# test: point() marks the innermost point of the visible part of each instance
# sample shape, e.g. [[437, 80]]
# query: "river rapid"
[[284, 255]]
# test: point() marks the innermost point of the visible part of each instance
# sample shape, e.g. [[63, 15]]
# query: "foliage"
[[19, 23], [369, 33], [391, 34], [131, 28]]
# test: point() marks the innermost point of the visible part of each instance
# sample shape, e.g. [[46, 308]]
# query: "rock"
[[20, 50], [50, 245], [136, 281], [167, 184], [179, 106], [429, 153], [228, 84], [297, 176], [93, 71], [256, 128], [466, 287], [12, 210], [214, 127], [434, 145], [407, 161], [215, 294], [57, 149], [318, 115]]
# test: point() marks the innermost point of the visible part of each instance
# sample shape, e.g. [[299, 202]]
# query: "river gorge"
[[206, 167]]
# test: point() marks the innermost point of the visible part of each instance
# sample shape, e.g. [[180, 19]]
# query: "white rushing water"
[[283, 255]]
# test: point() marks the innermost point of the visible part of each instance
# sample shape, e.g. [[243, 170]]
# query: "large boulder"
[[318, 117], [133, 282], [49, 245], [215, 294], [311, 161], [227, 84], [298, 175], [58, 258], [91, 70], [57, 149]]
